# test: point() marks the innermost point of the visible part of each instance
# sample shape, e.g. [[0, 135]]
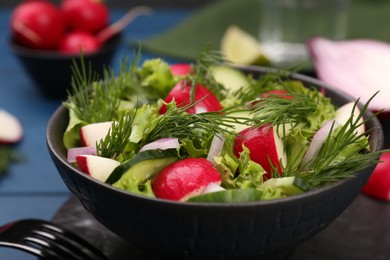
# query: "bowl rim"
[[20, 50], [273, 202]]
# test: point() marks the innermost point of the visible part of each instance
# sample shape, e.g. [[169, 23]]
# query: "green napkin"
[[205, 27]]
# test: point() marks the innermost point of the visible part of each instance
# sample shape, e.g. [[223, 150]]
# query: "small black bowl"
[[182, 230], [51, 71]]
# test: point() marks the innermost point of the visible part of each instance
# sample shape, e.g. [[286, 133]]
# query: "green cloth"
[[205, 27]]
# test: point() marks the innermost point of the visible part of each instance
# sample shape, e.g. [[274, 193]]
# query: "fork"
[[47, 241]]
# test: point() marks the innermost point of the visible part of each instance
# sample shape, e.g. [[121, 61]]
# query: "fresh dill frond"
[[343, 169], [93, 100], [117, 138], [269, 81], [180, 124], [343, 153], [202, 74], [277, 111]]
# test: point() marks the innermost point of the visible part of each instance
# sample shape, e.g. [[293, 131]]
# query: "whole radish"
[[87, 15], [77, 42], [37, 24]]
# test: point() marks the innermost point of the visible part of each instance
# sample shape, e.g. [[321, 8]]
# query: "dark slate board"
[[361, 232]]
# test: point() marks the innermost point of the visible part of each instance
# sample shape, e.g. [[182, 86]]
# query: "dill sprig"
[[328, 166], [93, 100], [269, 81], [277, 110], [203, 76], [117, 138], [180, 124]]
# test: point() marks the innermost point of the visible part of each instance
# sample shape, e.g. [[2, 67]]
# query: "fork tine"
[[48, 241], [76, 240], [74, 246]]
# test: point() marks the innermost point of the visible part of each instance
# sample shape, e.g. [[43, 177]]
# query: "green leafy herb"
[[178, 123], [118, 137], [92, 100], [343, 153]]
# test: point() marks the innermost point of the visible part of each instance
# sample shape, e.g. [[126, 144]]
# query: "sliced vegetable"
[[265, 147], [317, 141], [93, 133], [11, 130], [142, 166], [162, 144], [215, 148], [343, 116], [358, 67], [96, 166], [226, 196], [232, 79], [289, 185], [75, 151]]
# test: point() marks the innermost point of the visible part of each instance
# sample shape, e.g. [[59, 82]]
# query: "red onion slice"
[[359, 67], [85, 150], [215, 148], [318, 140], [161, 144]]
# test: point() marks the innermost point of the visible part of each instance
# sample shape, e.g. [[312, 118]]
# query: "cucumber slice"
[[144, 164], [240, 125], [291, 185], [225, 196], [231, 78]]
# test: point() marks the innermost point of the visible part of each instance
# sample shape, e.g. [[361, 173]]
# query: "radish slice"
[[76, 151], [318, 140], [11, 130], [358, 67], [212, 187], [215, 148], [161, 144]]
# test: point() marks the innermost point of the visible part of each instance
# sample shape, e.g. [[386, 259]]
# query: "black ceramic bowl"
[[51, 71], [211, 231]]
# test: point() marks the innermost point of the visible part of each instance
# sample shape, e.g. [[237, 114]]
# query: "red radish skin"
[[11, 130], [93, 133], [378, 185], [77, 42], [37, 25], [86, 15], [184, 179], [264, 146], [181, 69], [181, 94], [97, 167]]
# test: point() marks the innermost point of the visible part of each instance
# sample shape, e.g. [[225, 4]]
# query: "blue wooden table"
[[32, 188]]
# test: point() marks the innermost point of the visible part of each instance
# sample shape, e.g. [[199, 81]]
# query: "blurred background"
[[129, 3]]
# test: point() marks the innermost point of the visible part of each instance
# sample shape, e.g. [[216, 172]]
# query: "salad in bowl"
[[210, 133]]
